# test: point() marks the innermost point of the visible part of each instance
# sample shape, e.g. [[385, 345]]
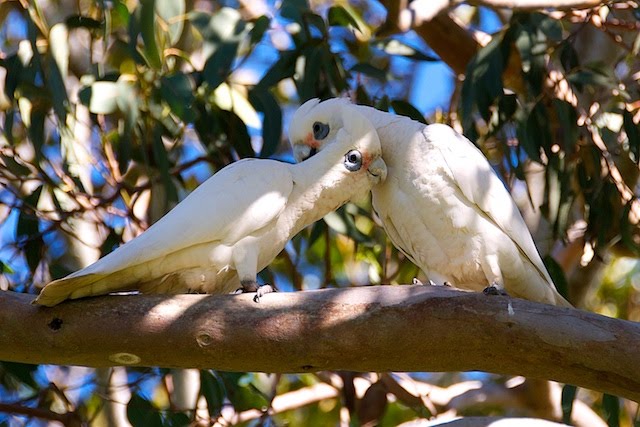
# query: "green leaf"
[[339, 16], [21, 375], [283, 68], [57, 64], [162, 162], [101, 97], [557, 275], [218, 65], [633, 134], [14, 167], [370, 71], [264, 101], [406, 109], [177, 91], [142, 413], [260, 26], [611, 407], [569, 57], [6, 268], [629, 232], [397, 47], [294, 9], [212, 388], [568, 119], [237, 134], [568, 396], [309, 81], [81, 21], [148, 31], [172, 13]]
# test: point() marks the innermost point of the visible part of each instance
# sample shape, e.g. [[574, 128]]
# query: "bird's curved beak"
[[378, 170], [303, 152]]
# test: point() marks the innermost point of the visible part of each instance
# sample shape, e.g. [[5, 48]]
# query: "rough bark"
[[380, 328]]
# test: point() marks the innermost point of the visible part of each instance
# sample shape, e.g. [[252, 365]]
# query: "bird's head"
[[337, 123]]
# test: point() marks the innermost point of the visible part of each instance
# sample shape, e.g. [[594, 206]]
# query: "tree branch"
[[379, 328]]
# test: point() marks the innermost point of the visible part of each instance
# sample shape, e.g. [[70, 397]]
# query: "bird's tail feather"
[[561, 301], [72, 287]]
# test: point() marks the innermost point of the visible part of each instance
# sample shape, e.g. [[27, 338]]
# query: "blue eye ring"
[[353, 160], [320, 130]]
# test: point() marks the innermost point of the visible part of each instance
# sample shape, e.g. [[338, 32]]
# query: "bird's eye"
[[320, 130], [353, 160]]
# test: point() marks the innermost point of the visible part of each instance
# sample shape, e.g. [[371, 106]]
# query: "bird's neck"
[[320, 187]]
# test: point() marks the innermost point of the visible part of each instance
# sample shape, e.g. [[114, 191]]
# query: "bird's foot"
[[253, 286], [494, 289], [417, 282]]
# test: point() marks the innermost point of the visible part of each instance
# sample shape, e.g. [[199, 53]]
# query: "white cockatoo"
[[442, 204], [234, 224]]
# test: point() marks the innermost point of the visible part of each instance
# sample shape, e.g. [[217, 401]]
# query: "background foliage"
[[112, 111]]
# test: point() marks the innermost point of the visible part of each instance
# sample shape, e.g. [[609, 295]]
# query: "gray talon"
[[262, 291]]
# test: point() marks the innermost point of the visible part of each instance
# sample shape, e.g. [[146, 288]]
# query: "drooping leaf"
[[142, 413], [568, 396], [212, 388], [265, 102], [633, 134], [162, 162], [260, 26], [218, 65], [370, 70], [294, 9], [557, 275], [399, 47], [406, 109], [283, 68], [611, 406], [177, 91], [148, 31]]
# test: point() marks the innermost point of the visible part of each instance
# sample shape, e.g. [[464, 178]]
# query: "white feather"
[[443, 205], [233, 225]]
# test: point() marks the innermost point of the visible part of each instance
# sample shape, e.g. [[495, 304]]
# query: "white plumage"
[[442, 204], [234, 224]]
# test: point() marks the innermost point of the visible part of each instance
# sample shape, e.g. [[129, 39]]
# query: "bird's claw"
[[262, 291], [417, 282], [494, 289]]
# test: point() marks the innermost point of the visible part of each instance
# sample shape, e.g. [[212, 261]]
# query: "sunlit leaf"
[[338, 15], [101, 97], [172, 13], [398, 47]]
